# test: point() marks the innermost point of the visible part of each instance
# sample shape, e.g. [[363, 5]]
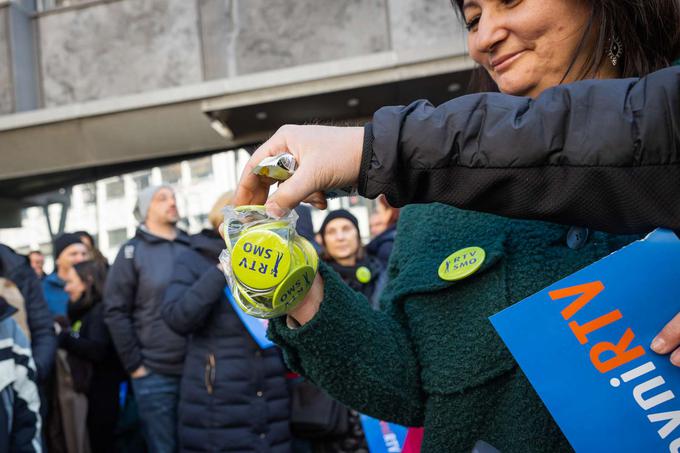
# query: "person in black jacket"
[[603, 154], [97, 371], [20, 420], [344, 252], [234, 395], [384, 229], [16, 268], [150, 351]]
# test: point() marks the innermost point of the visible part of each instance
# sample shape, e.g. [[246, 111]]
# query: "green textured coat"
[[431, 358]]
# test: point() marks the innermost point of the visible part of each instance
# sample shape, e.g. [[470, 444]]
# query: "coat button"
[[263, 435], [259, 393], [577, 237], [258, 354]]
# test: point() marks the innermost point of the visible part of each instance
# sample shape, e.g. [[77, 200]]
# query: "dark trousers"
[[157, 396]]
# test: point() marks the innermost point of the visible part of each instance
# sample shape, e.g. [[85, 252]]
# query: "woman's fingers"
[[253, 189], [668, 340], [327, 157]]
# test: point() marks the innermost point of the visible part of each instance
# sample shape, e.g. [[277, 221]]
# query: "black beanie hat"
[[338, 214], [63, 241]]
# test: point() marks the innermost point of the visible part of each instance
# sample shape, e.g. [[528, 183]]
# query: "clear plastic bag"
[[268, 266]]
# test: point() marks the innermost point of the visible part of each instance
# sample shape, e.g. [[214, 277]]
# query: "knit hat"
[[338, 214], [144, 198], [63, 241]]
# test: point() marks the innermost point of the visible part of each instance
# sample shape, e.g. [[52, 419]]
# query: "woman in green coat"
[[431, 357]]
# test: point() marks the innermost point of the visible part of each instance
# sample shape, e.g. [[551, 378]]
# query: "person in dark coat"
[[20, 419], [344, 252], [233, 395], [150, 351], [97, 371], [16, 268], [383, 229]]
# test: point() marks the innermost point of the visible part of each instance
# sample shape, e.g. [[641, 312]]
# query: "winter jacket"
[[95, 366], [132, 303], [92, 342], [16, 268], [381, 245], [20, 422], [598, 153], [233, 395], [430, 357], [55, 295]]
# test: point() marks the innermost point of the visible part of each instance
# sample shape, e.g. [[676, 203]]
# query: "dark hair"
[[648, 30], [93, 275], [35, 252], [82, 233]]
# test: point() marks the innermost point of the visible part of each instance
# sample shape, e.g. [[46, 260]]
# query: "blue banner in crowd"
[[584, 345], [383, 437], [255, 326]]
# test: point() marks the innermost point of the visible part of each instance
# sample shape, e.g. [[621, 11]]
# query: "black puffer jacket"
[[234, 396], [16, 268], [604, 154], [134, 292]]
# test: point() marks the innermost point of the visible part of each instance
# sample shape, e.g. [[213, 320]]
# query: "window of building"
[[142, 181], [171, 174], [115, 189], [201, 168], [117, 237], [89, 192]]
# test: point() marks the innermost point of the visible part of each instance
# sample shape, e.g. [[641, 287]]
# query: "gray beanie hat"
[[144, 198]]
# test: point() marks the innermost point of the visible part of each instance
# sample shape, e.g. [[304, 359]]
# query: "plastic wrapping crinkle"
[[268, 266]]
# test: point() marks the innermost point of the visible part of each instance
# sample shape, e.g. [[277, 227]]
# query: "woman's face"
[[527, 45], [341, 239], [74, 285]]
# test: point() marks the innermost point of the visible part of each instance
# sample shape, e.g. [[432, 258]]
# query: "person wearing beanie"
[[151, 353], [68, 249]]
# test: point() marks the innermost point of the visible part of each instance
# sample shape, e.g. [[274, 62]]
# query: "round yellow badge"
[[293, 289], [462, 264], [260, 259], [363, 274]]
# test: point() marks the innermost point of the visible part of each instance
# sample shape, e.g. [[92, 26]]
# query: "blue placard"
[[383, 437], [584, 342], [256, 327]]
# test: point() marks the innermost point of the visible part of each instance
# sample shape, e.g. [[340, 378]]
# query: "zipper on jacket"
[[210, 373]]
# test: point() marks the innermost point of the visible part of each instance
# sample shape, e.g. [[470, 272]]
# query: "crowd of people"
[[147, 354]]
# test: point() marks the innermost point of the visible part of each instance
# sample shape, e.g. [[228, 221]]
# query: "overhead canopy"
[[44, 150]]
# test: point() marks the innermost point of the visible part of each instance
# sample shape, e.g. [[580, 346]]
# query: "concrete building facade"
[[94, 89]]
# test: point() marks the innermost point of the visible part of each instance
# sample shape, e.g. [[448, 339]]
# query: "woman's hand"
[[327, 157], [310, 305], [668, 340]]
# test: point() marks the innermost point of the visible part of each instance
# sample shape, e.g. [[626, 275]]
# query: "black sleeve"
[[119, 300], [190, 297], [40, 323], [603, 154]]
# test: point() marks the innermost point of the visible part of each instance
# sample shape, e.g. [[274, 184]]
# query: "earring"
[[615, 50]]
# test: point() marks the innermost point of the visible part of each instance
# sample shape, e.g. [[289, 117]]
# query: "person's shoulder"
[[9, 258]]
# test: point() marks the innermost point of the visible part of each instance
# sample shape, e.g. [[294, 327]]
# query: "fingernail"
[[658, 345], [675, 358], [274, 210]]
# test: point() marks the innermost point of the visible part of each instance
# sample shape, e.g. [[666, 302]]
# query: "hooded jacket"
[[16, 268], [233, 395], [603, 154], [132, 303], [20, 421]]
